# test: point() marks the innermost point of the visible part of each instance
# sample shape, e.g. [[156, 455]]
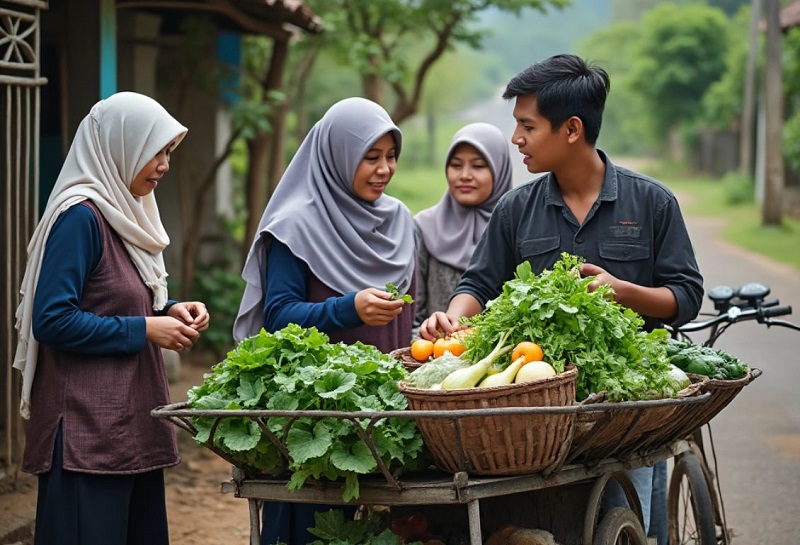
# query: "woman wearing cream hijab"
[[92, 321]]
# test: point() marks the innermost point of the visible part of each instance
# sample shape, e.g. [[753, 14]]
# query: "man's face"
[[542, 147]]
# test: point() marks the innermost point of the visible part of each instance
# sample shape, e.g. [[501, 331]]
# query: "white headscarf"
[[113, 143], [451, 230], [347, 242]]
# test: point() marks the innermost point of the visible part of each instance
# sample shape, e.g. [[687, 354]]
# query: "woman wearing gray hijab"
[[478, 171], [328, 242]]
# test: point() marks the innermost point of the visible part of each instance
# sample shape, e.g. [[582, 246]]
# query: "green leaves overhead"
[[298, 369]]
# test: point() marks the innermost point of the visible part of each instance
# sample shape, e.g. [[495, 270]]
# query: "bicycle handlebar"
[[771, 312], [737, 314]]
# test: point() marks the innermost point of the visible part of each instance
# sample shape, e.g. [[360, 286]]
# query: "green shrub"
[[221, 290], [738, 189]]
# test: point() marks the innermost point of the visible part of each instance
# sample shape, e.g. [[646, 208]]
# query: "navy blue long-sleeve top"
[[286, 296], [73, 249]]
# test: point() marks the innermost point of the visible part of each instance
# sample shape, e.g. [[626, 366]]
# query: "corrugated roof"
[[790, 16], [248, 16]]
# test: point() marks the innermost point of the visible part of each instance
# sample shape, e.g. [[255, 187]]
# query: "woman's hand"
[[170, 333], [375, 307], [191, 313]]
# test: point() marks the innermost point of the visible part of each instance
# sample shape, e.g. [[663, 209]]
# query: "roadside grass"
[[420, 186], [711, 197]]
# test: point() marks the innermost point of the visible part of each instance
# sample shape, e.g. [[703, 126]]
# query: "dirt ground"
[[199, 513]]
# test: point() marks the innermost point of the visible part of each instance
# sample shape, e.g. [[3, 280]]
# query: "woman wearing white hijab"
[[327, 244], [93, 318], [478, 171]]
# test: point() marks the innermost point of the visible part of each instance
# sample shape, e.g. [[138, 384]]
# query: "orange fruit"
[[421, 349], [531, 351], [447, 344]]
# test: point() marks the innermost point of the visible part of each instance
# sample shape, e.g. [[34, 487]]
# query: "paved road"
[[757, 437]]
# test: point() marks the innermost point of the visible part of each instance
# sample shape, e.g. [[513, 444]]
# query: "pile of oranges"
[[423, 349]]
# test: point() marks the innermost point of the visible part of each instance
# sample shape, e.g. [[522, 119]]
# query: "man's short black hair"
[[565, 86]]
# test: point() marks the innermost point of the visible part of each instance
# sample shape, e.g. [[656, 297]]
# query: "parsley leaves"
[[572, 325]]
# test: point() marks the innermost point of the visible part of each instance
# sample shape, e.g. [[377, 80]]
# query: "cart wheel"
[[689, 510], [620, 526]]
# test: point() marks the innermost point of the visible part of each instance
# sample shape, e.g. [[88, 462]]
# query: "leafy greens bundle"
[[298, 369], [572, 325]]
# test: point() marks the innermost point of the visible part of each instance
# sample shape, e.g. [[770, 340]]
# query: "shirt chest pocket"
[[624, 251], [540, 252]]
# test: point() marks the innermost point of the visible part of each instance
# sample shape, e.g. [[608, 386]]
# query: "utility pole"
[[747, 128], [771, 212]]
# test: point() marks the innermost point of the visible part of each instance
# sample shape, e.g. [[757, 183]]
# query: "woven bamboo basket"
[[508, 444], [403, 355], [722, 393], [601, 434]]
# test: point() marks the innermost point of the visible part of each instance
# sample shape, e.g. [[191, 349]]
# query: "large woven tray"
[[620, 429], [687, 419], [403, 355], [503, 444]]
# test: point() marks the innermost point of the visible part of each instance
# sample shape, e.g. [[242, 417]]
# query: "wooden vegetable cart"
[[604, 439]]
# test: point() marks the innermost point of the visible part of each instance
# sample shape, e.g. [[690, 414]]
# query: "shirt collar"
[[607, 193]]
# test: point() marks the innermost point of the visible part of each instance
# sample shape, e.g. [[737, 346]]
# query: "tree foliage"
[[722, 103], [614, 48], [376, 37], [632, 10], [682, 53], [791, 85]]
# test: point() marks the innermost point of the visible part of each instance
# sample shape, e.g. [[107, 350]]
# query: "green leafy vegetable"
[[705, 360], [395, 293], [572, 325], [298, 369], [332, 529]]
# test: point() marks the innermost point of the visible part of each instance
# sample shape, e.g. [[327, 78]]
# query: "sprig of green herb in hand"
[[395, 293]]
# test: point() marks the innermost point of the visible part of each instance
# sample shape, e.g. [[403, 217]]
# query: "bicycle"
[[695, 510]]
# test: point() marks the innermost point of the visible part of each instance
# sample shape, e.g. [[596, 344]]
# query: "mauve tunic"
[[103, 402]]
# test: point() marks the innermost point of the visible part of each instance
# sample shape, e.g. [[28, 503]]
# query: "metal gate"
[[20, 81]]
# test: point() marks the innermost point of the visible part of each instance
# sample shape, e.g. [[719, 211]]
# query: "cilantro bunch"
[[603, 339], [298, 369]]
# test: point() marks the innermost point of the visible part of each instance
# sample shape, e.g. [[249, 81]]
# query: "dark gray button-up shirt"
[[634, 230]]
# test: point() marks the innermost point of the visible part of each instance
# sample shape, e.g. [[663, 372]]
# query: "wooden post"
[[774, 175], [747, 134]]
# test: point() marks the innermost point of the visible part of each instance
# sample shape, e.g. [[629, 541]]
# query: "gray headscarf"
[[348, 243], [451, 230]]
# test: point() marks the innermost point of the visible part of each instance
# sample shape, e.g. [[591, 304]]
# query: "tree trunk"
[[260, 147], [747, 129], [302, 73], [373, 88], [255, 186], [193, 231], [773, 180]]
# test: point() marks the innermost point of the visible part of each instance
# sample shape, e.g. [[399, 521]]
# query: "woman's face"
[[147, 179], [376, 169], [469, 177]]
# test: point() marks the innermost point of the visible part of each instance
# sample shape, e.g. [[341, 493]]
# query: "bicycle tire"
[[620, 526], [690, 513]]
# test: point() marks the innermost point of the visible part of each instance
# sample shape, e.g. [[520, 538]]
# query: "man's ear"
[[574, 127]]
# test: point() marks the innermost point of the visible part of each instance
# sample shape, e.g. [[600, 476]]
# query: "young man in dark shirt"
[[627, 227]]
